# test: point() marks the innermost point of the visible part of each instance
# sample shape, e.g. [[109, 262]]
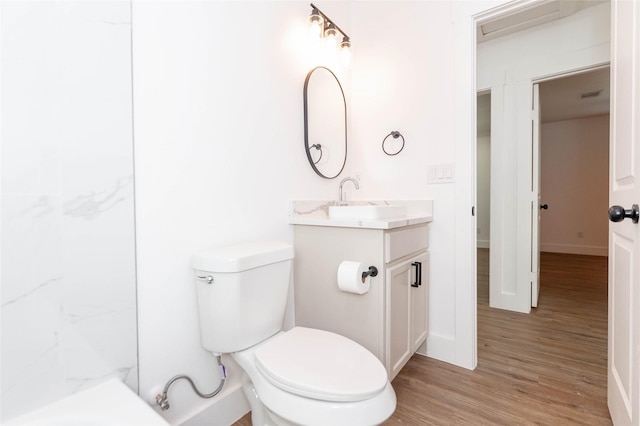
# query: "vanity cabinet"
[[391, 319]]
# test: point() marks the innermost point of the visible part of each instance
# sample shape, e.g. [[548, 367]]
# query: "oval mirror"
[[325, 123]]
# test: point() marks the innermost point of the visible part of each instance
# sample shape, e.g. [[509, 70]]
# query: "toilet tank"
[[246, 301]]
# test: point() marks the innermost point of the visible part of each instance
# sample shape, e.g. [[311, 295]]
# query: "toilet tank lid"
[[240, 257]]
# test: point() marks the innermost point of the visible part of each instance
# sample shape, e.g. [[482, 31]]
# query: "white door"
[[623, 386], [535, 197]]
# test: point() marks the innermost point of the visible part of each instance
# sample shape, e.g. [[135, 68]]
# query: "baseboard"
[[575, 249], [442, 348], [482, 243], [223, 411]]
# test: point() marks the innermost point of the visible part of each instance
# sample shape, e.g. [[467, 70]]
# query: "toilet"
[[302, 376]]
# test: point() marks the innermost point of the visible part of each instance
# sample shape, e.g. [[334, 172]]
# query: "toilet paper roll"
[[350, 277]]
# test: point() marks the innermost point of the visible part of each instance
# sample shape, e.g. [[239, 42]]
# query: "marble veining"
[[91, 205], [321, 208], [42, 207], [30, 292], [46, 357]]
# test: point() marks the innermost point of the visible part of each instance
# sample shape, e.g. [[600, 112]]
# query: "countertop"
[[315, 213]]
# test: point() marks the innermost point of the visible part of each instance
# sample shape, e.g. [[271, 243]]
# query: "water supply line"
[[163, 401]]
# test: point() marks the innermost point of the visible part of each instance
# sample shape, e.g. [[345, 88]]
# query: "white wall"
[[68, 261], [507, 66], [401, 80], [219, 154], [575, 185]]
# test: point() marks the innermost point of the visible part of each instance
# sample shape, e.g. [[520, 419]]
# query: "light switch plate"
[[440, 173]]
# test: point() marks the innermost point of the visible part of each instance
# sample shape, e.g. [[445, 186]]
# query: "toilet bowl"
[[301, 376], [314, 377]]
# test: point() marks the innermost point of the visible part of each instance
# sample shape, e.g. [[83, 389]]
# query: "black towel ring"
[[396, 134], [319, 148]]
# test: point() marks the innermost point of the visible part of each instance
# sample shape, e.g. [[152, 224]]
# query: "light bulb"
[[345, 51], [316, 24], [331, 35]]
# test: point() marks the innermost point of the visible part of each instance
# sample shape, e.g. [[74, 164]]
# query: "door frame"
[[506, 293], [466, 17]]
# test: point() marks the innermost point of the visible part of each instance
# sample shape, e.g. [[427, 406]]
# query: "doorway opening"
[[574, 163], [574, 169], [509, 75]]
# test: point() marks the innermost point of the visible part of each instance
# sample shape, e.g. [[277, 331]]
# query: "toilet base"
[[260, 415]]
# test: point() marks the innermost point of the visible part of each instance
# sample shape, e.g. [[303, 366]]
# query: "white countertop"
[[315, 213], [354, 223]]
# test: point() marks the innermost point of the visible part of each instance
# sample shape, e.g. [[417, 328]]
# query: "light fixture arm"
[[329, 20]]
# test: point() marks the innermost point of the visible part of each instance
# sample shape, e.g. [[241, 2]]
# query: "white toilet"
[[301, 376]]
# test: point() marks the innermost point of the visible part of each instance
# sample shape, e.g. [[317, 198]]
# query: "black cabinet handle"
[[418, 266], [544, 206]]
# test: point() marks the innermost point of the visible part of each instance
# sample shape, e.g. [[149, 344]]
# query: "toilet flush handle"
[[208, 279]]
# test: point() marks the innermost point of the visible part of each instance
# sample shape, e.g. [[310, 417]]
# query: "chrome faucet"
[[341, 200]]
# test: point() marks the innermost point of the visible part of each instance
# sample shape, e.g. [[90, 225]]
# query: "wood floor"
[[548, 367], [544, 368]]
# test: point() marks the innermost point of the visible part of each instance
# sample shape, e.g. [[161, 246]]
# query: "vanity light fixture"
[[322, 26]]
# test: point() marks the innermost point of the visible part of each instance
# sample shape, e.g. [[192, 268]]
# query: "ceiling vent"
[[537, 13]]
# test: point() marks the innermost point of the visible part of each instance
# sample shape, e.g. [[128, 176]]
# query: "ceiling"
[[561, 98], [576, 96]]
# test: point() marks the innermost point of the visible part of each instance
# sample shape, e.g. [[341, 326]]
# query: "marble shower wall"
[[68, 289]]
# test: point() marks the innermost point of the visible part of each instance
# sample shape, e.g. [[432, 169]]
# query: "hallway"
[[548, 367]]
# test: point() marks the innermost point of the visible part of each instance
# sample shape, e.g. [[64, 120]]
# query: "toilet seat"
[[301, 410], [321, 365]]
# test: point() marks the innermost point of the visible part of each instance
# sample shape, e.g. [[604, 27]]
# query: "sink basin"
[[368, 212]]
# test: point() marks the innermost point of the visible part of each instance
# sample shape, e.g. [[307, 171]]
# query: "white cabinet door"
[[398, 282], [419, 301], [407, 292]]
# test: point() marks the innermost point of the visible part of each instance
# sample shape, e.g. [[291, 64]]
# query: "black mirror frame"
[[307, 148]]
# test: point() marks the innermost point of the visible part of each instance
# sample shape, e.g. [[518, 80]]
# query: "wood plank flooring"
[[544, 368]]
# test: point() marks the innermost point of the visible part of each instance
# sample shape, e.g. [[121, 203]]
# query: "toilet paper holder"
[[372, 272]]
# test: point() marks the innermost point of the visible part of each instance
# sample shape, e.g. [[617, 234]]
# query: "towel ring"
[[319, 148], [396, 134]]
